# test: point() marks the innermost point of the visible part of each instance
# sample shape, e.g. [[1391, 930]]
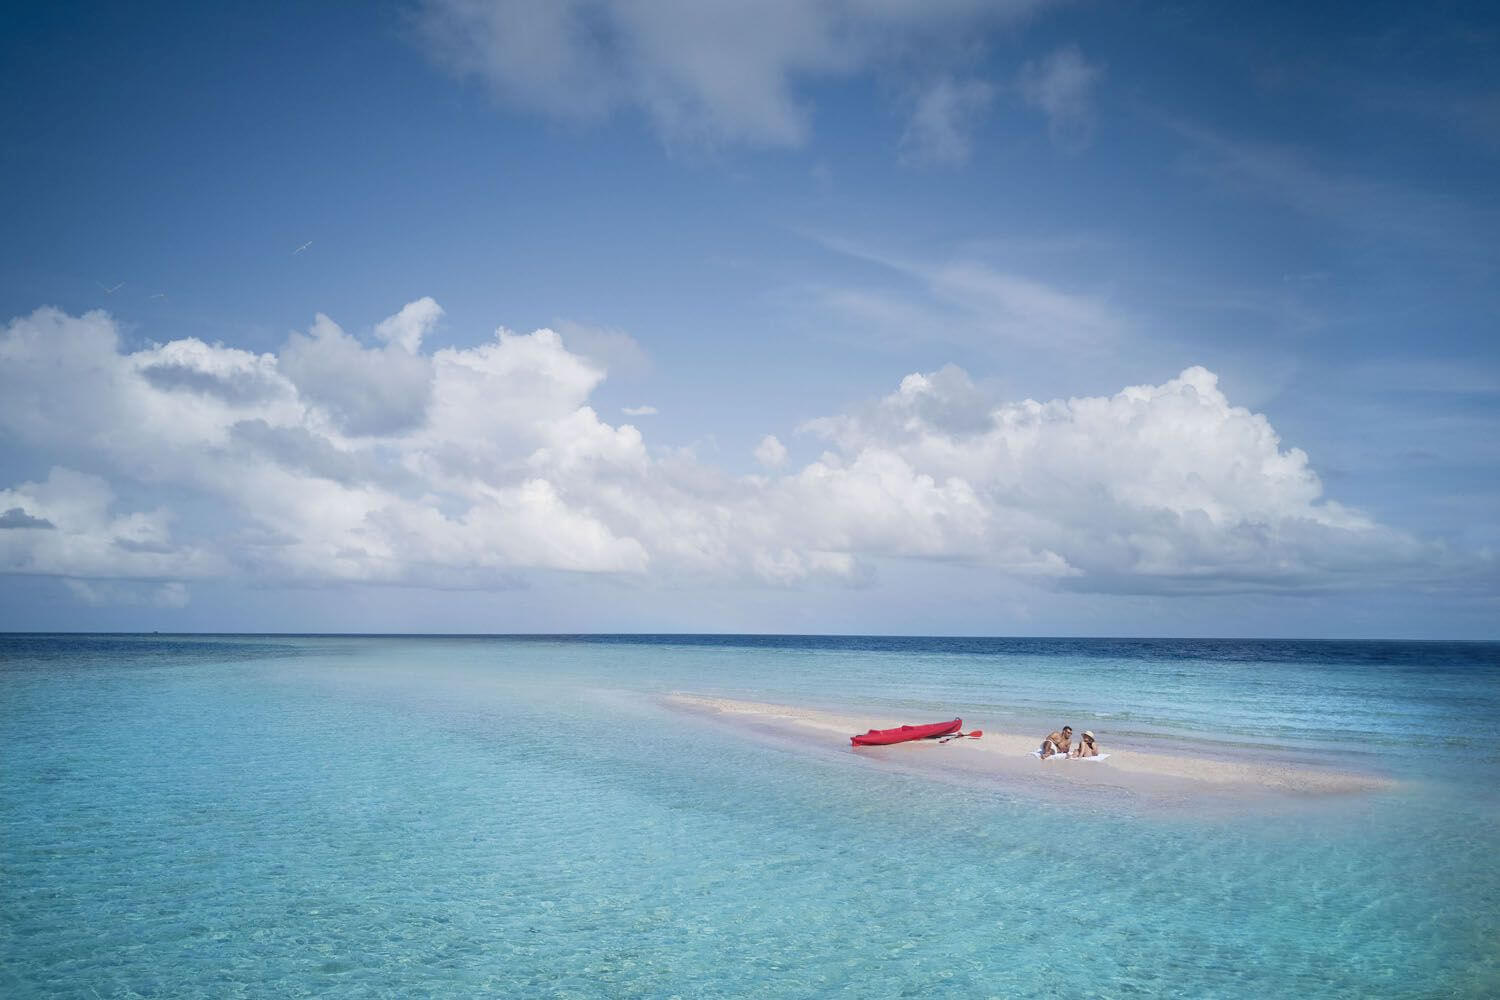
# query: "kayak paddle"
[[958, 736]]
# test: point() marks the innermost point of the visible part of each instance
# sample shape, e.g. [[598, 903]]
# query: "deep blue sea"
[[287, 816]]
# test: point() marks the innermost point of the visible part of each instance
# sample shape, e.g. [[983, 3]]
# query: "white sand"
[[1001, 755]]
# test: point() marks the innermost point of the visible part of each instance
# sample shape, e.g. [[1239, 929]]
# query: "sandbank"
[[1006, 757]]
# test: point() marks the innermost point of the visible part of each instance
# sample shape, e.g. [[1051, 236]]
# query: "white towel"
[[1062, 756]]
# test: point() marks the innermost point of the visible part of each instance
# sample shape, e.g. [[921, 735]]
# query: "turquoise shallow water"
[[347, 816]]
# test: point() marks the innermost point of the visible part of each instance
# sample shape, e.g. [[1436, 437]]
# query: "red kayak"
[[883, 737]]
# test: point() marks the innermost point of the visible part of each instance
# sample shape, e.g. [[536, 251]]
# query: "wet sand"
[[1006, 757]]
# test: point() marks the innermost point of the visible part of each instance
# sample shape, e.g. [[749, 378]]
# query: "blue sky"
[[956, 317]]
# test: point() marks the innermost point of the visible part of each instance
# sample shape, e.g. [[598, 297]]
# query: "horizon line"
[[744, 635]]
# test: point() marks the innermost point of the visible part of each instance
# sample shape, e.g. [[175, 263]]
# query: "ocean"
[[373, 816]]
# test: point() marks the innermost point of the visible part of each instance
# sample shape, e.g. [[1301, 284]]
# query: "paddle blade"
[[976, 734]]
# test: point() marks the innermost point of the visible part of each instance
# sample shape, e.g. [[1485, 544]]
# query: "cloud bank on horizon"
[[340, 460]]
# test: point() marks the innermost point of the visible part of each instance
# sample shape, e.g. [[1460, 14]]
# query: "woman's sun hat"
[[1088, 734]]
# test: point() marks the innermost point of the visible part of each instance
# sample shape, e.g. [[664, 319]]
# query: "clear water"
[[352, 816]]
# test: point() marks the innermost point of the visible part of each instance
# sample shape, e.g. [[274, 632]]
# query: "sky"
[[834, 316]]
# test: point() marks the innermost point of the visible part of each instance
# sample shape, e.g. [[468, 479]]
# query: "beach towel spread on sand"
[[1063, 756]]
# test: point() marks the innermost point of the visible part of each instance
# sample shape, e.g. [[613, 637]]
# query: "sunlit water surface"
[[453, 817]]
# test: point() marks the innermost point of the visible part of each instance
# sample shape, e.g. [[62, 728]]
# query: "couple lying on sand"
[[1061, 743]]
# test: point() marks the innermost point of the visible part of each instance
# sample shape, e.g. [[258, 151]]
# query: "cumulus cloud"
[[1062, 86], [331, 460], [87, 537], [701, 70], [1160, 488], [407, 328], [236, 377], [499, 465], [770, 452], [363, 390]]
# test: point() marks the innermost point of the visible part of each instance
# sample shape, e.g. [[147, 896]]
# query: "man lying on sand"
[[1057, 743]]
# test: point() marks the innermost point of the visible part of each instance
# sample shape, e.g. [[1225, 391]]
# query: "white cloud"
[[770, 452], [1165, 487], [638, 411], [234, 376], [364, 391], [1161, 488], [79, 533], [61, 382], [1062, 86], [310, 493], [701, 70], [407, 328], [941, 124]]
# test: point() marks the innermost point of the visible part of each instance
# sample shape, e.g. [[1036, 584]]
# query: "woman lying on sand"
[[1086, 746]]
